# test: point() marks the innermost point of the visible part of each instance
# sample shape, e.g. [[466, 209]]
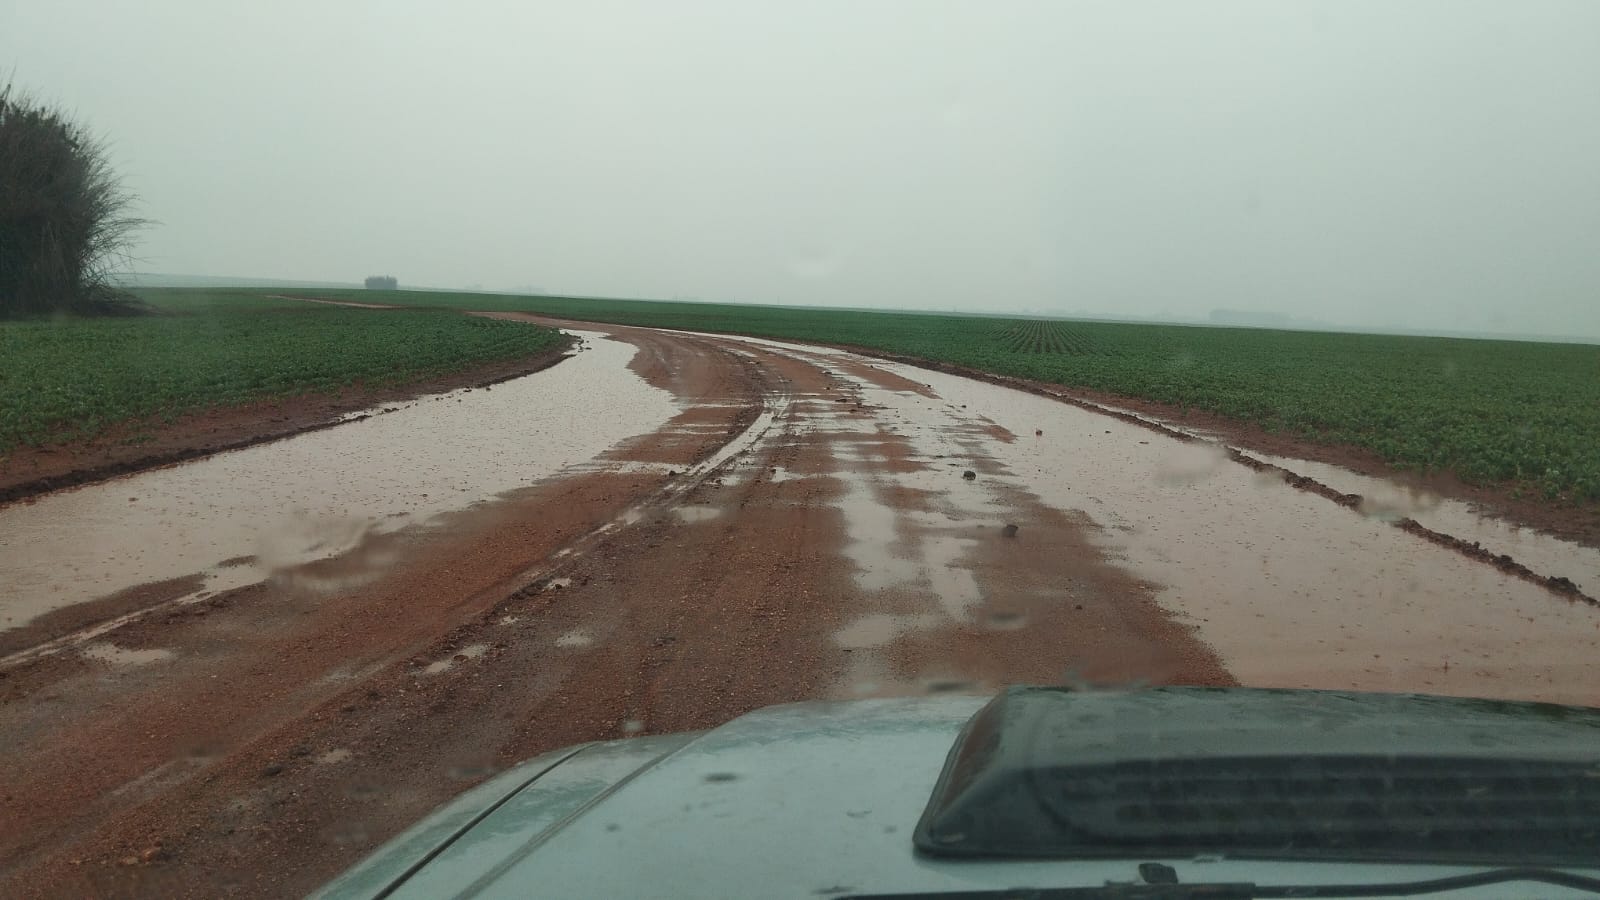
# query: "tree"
[[382, 282], [64, 216]]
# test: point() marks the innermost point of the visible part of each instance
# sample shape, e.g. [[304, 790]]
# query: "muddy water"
[[1385, 499], [122, 656], [1290, 589], [1391, 500], [1293, 590], [267, 508]]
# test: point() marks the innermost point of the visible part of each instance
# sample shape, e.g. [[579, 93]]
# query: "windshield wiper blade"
[[1250, 891], [1435, 885]]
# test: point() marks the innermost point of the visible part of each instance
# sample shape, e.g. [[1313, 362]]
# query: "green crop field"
[[1507, 412], [1494, 412], [71, 378]]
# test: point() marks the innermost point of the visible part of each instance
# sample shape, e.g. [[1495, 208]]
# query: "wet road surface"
[[237, 518], [292, 651]]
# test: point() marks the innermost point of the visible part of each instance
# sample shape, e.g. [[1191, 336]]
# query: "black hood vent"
[[1055, 773]]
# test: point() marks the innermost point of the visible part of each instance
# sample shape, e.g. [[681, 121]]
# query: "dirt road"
[[735, 523]]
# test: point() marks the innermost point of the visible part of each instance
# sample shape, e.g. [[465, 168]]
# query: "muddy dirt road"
[[238, 675]]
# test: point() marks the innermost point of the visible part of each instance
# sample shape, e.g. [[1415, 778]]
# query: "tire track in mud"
[[774, 402]]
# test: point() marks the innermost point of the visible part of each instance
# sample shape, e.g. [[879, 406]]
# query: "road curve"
[[807, 524]]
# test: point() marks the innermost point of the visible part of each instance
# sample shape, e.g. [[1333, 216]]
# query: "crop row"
[[1042, 336]]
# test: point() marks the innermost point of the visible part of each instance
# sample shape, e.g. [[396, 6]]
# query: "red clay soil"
[[289, 733], [29, 471]]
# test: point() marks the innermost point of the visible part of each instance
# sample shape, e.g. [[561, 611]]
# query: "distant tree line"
[[65, 218], [382, 282]]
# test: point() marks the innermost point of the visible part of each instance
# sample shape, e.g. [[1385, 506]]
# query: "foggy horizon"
[[1353, 164]]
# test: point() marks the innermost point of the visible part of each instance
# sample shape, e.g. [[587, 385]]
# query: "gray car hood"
[[805, 800]]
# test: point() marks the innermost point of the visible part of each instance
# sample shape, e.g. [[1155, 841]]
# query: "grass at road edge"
[[71, 379]]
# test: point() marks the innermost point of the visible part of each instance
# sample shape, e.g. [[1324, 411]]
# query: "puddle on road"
[[893, 544], [878, 630], [778, 475], [333, 756], [577, 637], [697, 513], [1005, 621], [472, 651], [1385, 499], [910, 525], [1291, 589], [316, 495], [872, 537], [954, 585], [1183, 464], [124, 656]]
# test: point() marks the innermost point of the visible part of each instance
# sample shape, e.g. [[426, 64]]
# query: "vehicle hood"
[[804, 800]]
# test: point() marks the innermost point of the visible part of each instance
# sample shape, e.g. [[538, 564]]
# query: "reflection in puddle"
[[955, 587], [912, 525], [124, 656], [872, 532], [1182, 464], [1390, 502], [895, 547], [697, 513], [304, 538]]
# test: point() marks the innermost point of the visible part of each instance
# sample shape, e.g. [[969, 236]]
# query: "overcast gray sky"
[[1413, 165]]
